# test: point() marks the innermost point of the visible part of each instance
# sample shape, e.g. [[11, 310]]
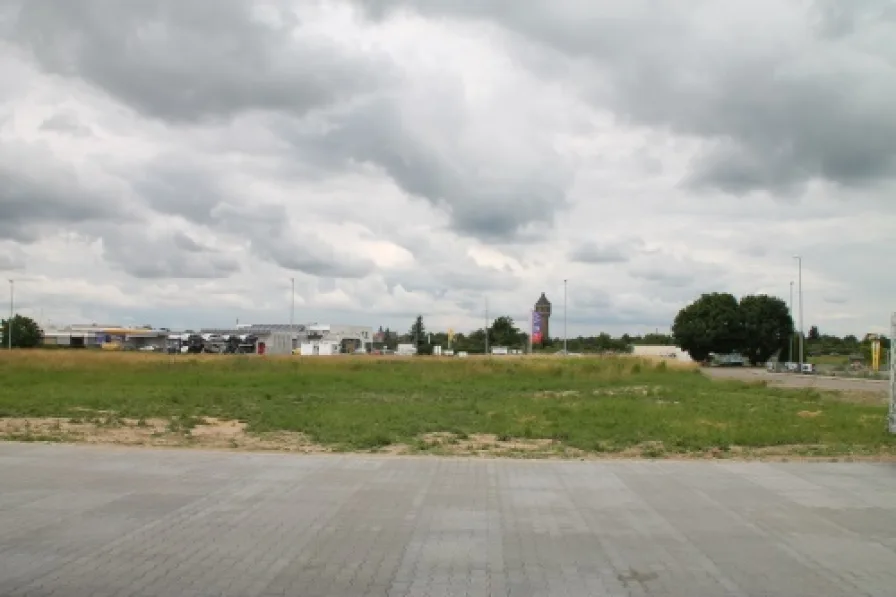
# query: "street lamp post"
[[790, 356], [565, 348], [292, 307], [799, 261]]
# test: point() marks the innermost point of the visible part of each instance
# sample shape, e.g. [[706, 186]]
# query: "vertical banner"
[[536, 328]]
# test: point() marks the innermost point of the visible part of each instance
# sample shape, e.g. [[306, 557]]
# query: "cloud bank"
[[176, 163]]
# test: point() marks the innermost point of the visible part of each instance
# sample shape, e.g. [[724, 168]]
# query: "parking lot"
[[93, 522]]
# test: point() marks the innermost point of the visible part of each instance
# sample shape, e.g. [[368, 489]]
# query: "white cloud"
[[160, 167]]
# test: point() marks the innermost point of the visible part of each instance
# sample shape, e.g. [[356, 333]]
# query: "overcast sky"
[[175, 162]]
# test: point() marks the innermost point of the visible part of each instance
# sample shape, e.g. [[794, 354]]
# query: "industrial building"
[[304, 339], [109, 337], [311, 339]]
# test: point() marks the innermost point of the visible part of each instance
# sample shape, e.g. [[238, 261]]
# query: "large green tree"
[[503, 332], [768, 327], [25, 332], [712, 323]]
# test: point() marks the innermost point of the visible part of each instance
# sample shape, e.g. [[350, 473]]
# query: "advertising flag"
[[536, 328]]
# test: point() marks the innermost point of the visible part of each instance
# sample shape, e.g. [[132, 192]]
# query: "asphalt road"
[[98, 522], [793, 380]]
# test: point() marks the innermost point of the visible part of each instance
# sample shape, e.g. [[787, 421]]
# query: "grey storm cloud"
[[313, 255], [36, 191], [191, 59], [65, 123], [780, 106], [11, 258], [441, 269], [671, 278], [492, 202], [177, 186], [597, 253], [185, 243], [179, 61], [143, 255]]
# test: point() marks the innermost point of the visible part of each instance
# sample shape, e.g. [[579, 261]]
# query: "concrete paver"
[[83, 521]]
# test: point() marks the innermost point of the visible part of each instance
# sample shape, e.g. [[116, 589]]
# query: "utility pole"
[[565, 350], [790, 356], [486, 325], [11, 307], [799, 260]]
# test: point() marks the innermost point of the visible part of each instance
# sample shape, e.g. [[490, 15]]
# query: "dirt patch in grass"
[[714, 424], [201, 433], [627, 391], [556, 394], [809, 414], [211, 433], [487, 444]]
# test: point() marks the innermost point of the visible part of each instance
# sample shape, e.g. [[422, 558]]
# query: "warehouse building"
[[310, 339], [110, 337]]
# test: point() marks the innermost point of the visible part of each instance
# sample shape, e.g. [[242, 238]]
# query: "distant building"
[[108, 336], [312, 339], [405, 349], [669, 352], [543, 307]]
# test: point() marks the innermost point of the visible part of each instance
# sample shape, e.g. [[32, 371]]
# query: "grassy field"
[[829, 360], [511, 406]]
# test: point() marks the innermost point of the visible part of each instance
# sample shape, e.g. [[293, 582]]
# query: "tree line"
[[759, 327], [503, 331]]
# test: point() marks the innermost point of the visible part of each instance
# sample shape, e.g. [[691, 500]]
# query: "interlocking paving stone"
[[80, 521]]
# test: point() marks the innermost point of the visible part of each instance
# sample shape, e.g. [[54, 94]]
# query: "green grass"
[[600, 405], [827, 359]]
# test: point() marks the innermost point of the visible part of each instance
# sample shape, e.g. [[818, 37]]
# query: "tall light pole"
[[292, 307], [12, 293], [565, 350], [790, 356], [292, 314], [799, 261]]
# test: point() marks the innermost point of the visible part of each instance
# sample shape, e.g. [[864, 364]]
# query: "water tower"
[[543, 306]]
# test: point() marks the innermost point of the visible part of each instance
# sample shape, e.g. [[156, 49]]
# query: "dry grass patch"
[[206, 433], [809, 414], [488, 444], [556, 393], [627, 391]]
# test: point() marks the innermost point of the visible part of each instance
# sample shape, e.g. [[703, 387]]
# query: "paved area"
[[94, 522], [792, 380]]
